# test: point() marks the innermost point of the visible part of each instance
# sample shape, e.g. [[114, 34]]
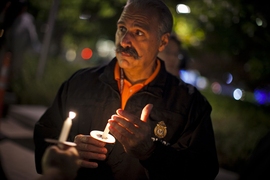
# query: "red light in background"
[[86, 53]]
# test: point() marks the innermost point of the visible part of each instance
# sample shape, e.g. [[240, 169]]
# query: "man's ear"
[[164, 41]]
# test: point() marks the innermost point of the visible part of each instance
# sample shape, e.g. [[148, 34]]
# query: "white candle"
[[106, 131], [66, 127]]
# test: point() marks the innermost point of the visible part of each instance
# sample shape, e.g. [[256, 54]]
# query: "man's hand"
[[60, 163], [132, 132], [90, 150]]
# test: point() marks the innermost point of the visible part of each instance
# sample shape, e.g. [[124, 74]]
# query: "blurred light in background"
[[228, 78], [71, 55], [194, 78], [85, 16], [86, 53], [216, 88], [237, 94], [259, 96], [105, 48], [189, 76], [201, 82], [182, 9], [262, 96], [259, 22]]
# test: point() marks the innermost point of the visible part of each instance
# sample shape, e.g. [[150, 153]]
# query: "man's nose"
[[126, 40]]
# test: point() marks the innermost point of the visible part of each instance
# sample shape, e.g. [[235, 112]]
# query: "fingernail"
[[119, 111]]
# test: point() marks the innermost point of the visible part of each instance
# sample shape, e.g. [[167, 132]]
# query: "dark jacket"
[[186, 152]]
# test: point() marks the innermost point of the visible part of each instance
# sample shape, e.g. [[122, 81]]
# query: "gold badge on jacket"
[[160, 130]]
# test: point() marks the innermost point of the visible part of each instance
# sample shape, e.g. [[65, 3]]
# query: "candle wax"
[[65, 130], [106, 131]]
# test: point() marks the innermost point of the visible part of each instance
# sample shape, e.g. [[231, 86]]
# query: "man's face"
[[136, 39], [170, 55]]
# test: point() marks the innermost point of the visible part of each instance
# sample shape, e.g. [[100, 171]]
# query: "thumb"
[[146, 111]]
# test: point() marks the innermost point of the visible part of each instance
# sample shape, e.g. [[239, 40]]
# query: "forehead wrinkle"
[[137, 20]]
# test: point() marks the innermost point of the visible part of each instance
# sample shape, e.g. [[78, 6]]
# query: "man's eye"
[[122, 29], [139, 33]]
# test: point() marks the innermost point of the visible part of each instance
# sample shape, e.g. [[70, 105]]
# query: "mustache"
[[129, 50]]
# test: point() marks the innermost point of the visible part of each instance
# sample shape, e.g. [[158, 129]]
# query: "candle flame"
[[72, 115]]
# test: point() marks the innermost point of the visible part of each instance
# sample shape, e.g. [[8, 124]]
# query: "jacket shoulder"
[[87, 72]]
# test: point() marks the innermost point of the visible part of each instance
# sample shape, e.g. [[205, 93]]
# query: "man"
[[174, 56], [162, 126], [21, 35], [19, 39]]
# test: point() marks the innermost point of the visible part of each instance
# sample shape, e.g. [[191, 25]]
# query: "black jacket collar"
[[156, 87]]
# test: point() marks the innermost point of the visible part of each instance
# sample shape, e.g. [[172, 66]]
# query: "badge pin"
[[160, 130]]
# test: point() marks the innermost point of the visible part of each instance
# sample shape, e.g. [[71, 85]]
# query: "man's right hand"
[[90, 150]]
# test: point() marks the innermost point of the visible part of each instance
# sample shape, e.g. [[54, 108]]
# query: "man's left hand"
[[133, 133]]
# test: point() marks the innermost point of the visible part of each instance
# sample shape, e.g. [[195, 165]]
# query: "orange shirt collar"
[[117, 73]]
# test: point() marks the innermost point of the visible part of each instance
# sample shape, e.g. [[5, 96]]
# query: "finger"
[[64, 147], [126, 116], [123, 114], [117, 130], [53, 148], [88, 164], [91, 147], [130, 123], [124, 126], [146, 112], [72, 150], [91, 155], [87, 139]]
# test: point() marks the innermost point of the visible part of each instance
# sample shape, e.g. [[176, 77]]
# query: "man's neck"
[[135, 77]]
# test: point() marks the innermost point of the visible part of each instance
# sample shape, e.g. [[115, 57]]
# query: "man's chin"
[[123, 63]]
